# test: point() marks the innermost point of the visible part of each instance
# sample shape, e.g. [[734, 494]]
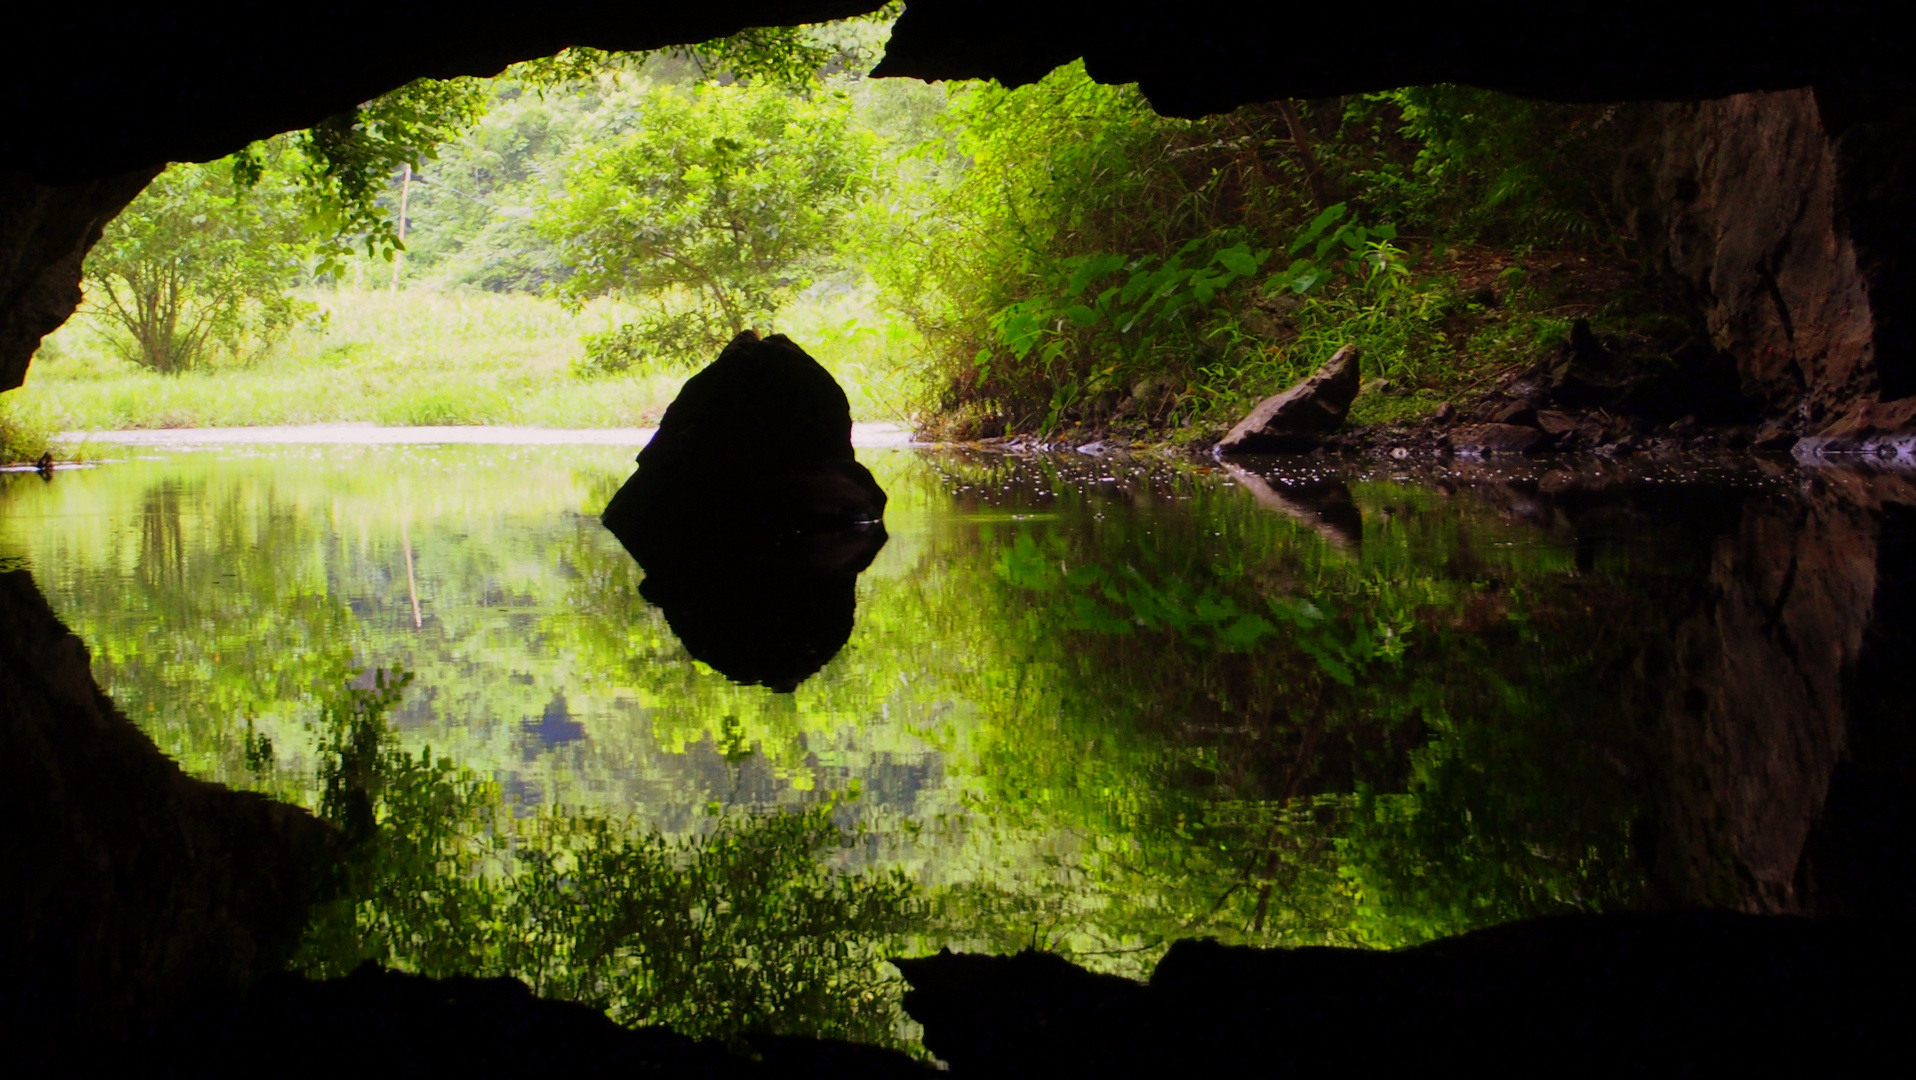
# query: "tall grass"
[[427, 357], [23, 437]]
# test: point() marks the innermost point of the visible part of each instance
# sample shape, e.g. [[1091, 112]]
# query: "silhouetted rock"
[[1582, 995], [1297, 418], [760, 438], [767, 610], [751, 515]]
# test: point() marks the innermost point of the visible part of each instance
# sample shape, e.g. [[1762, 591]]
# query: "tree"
[[199, 263], [721, 204], [342, 165]]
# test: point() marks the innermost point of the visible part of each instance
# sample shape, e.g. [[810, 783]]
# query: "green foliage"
[[792, 57], [23, 436], [344, 164], [743, 928], [618, 351], [740, 928], [984, 244], [721, 204], [198, 265], [1083, 245], [470, 212], [1489, 167]]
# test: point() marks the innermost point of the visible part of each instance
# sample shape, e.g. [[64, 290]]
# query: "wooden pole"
[[405, 196]]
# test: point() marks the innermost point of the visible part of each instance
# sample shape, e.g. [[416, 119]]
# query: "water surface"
[[1093, 705]]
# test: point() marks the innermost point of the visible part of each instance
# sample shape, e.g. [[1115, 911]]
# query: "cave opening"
[[1571, 616]]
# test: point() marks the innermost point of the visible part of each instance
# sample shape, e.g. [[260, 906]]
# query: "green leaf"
[[1093, 268], [1238, 260], [1140, 283], [1316, 227], [1245, 632], [1082, 316]]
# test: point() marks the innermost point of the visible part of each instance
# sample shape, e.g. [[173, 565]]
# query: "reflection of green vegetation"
[[741, 928], [1096, 705]]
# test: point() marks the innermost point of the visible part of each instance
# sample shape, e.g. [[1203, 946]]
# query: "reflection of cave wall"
[[1773, 743], [1860, 859], [125, 886], [1747, 707]]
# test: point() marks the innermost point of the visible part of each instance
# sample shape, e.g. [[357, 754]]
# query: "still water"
[[1093, 705]]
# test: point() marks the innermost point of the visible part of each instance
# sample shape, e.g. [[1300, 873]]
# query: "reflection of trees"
[[743, 928], [1263, 737], [1187, 716], [258, 627]]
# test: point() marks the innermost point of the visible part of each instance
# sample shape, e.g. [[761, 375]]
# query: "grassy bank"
[[423, 357]]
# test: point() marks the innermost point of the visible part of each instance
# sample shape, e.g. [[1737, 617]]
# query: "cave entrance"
[[1100, 694]]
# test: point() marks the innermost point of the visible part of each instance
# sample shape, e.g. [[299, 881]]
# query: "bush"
[[1084, 246]]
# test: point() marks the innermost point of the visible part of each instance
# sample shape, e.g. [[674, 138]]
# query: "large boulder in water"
[[761, 438], [751, 517]]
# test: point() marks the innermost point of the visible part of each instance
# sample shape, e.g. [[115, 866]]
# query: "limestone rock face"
[[1782, 214], [1296, 418], [45, 233]]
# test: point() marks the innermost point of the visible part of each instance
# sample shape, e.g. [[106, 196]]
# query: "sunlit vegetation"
[[973, 259]]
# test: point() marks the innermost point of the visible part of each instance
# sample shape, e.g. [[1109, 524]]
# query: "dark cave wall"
[[1789, 234], [128, 890], [45, 233]]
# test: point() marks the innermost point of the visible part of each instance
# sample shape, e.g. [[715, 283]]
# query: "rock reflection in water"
[[760, 610]]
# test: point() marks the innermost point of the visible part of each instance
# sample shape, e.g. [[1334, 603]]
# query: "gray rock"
[[1295, 419], [1485, 440]]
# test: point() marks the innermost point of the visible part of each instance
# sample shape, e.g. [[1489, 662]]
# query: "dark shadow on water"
[[768, 611]]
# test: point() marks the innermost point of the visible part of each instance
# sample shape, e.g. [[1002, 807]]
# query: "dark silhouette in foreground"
[[1663, 994], [751, 515]]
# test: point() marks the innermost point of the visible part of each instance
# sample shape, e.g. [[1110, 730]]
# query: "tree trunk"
[[1321, 191]]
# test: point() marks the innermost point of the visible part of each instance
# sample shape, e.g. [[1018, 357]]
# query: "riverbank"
[[417, 358], [868, 435]]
